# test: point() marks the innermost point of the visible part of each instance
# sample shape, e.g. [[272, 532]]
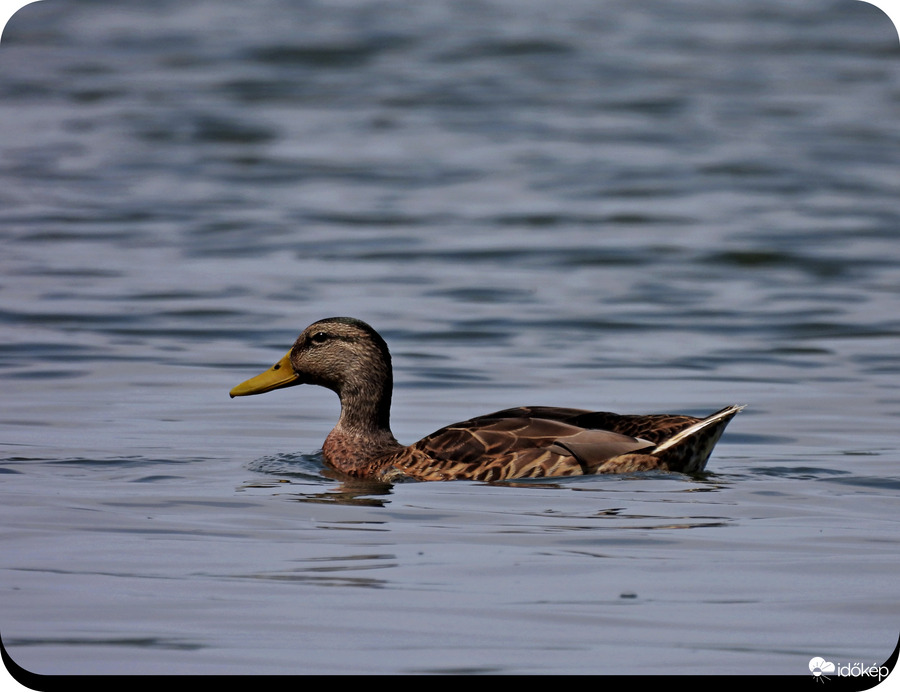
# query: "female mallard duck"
[[350, 358]]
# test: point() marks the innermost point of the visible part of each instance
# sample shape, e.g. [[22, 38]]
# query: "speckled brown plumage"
[[349, 357]]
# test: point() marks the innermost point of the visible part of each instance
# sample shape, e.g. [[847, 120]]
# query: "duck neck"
[[363, 431], [366, 410]]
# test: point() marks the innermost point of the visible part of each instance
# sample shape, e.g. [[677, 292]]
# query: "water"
[[635, 207]]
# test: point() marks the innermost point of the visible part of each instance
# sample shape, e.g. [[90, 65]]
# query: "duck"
[[347, 356]]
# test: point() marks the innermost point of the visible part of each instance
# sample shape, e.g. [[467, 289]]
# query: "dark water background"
[[629, 206]]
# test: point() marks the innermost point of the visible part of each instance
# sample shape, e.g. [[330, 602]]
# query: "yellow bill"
[[279, 375]]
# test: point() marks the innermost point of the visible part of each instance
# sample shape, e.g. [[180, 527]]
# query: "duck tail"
[[688, 450]]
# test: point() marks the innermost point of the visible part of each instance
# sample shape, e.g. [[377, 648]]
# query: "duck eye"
[[319, 338]]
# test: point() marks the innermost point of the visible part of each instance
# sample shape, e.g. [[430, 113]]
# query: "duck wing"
[[508, 444], [655, 427]]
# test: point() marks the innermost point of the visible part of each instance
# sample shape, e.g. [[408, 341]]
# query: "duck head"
[[341, 353]]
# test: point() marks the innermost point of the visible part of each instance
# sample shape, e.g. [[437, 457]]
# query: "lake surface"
[[635, 207]]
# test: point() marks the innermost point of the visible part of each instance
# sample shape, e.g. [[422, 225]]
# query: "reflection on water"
[[289, 472]]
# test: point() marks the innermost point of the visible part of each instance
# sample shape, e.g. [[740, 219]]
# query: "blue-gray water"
[[627, 206]]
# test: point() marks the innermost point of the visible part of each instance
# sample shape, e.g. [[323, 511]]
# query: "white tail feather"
[[714, 419]]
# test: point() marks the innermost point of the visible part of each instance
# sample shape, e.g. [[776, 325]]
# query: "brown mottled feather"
[[349, 357]]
